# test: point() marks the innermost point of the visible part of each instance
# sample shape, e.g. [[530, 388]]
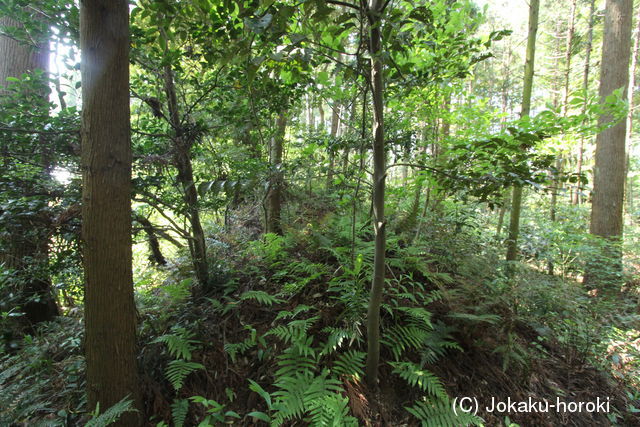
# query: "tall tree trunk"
[[577, 196], [276, 181], [608, 185], [27, 250], [110, 312], [632, 84], [516, 200], [565, 108], [374, 15], [182, 143], [557, 181], [19, 58], [567, 58]]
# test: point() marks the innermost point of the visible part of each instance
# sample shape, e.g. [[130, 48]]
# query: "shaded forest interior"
[[323, 213]]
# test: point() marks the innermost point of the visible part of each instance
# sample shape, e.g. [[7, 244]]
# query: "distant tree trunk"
[[577, 196], [183, 142], [276, 181], [310, 117], [345, 153], [557, 181], [409, 223], [632, 84], [19, 58], [503, 210], [516, 200], [152, 239], [27, 250], [321, 123], [567, 58], [335, 122], [565, 109], [608, 185], [110, 312], [374, 16]]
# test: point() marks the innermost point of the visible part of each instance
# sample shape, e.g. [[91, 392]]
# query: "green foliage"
[[235, 349], [215, 412], [302, 392], [111, 415], [400, 338], [439, 413], [178, 370], [44, 377], [417, 377], [261, 297], [180, 342], [331, 410], [349, 364], [271, 248], [181, 346], [179, 411]]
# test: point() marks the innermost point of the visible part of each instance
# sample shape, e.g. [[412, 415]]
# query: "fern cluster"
[[181, 345], [302, 391], [46, 373], [439, 413]]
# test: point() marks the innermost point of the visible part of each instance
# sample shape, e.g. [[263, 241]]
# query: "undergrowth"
[[284, 342]]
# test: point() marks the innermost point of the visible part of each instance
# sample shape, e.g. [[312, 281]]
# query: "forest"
[[319, 213]]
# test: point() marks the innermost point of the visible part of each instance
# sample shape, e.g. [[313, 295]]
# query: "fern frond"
[[438, 342], [261, 297], [284, 314], [439, 413], [401, 338], [302, 393], [419, 316], [336, 338], [331, 410], [177, 371], [179, 343], [292, 361], [294, 332], [289, 399], [112, 414], [477, 318], [350, 363], [417, 377], [179, 410], [233, 349]]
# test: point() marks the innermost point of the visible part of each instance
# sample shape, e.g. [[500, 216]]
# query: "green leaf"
[[260, 415]]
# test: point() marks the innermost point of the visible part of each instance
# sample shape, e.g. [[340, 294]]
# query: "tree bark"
[[182, 143], [577, 196], [632, 84], [110, 312], [154, 245], [19, 58], [335, 122], [27, 249], [516, 200], [503, 210], [565, 109], [274, 197], [374, 15], [311, 125], [608, 185]]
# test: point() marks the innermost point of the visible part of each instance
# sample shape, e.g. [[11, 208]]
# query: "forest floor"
[[532, 341]]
